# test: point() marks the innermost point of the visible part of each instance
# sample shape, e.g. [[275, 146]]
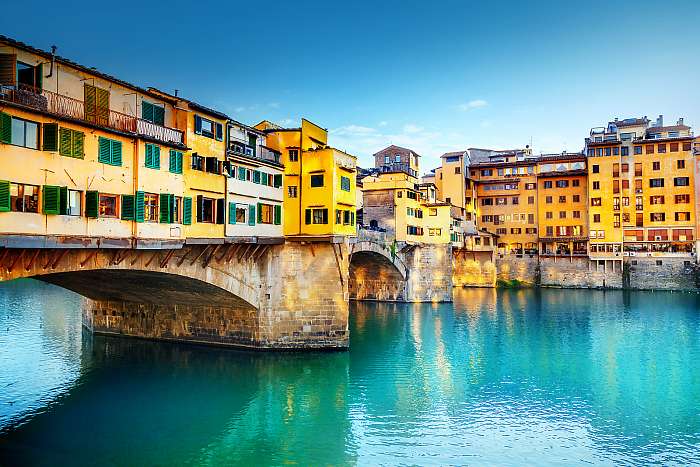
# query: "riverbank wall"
[[484, 269]]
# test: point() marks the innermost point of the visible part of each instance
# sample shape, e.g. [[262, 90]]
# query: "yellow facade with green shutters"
[[319, 181]]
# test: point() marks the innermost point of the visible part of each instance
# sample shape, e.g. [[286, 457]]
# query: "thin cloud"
[[473, 104]]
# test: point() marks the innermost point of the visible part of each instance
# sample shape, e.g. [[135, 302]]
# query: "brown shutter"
[[8, 69], [90, 103], [102, 107]]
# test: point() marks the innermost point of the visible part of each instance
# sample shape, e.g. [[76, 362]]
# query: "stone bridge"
[[384, 270], [290, 295]]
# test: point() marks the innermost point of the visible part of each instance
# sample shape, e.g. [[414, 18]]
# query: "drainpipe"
[[134, 227], [301, 173]]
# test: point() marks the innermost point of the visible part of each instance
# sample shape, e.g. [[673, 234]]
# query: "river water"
[[514, 377]]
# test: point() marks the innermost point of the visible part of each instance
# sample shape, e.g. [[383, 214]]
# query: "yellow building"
[[92, 154], [506, 188], [319, 181], [641, 188], [562, 203]]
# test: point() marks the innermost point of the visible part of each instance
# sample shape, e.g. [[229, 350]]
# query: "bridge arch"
[[376, 274]]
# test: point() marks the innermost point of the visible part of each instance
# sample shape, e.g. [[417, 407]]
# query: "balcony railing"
[[261, 152], [64, 106]]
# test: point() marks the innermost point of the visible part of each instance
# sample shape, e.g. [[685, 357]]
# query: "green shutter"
[[5, 128], [278, 180], [148, 155], [147, 111], [4, 196], [165, 208], [116, 152], [260, 213], [231, 213], [251, 214], [51, 196], [103, 152], [128, 207], [78, 144], [158, 115], [92, 204], [241, 173], [50, 137], [307, 216], [63, 200], [66, 142], [156, 157], [172, 162], [179, 162], [139, 206], [187, 211], [278, 214], [256, 176]]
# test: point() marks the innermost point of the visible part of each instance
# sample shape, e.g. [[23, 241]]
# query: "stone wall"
[[473, 269], [521, 268], [662, 273], [430, 273], [373, 277], [578, 272]]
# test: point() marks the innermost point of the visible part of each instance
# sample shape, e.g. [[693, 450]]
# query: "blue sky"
[[433, 76]]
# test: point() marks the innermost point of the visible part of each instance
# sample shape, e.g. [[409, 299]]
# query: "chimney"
[[660, 121], [680, 121]]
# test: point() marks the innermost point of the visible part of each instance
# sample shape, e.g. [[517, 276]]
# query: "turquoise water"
[[551, 377]]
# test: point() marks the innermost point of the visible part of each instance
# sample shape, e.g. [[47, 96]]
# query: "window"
[[550, 231], [682, 216], [198, 163], [344, 183], [596, 218], [625, 184], [206, 210], [316, 181], [549, 215], [637, 169], [596, 185], [616, 151], [649, 149], [595, 201], [432, 212], [291, 191], [548, 184], [673, 147], [208, 128], [662, 148], [152, 156], [616, 186], [265, 213], [154, 113], [211, 165], [501, 201], [316, 216], [109, 151], [74, 203], [487, 172], [487, 201], [562, 214], [241, 214], [616, 170], [599, 152], [108, 205], [657, 216], [387, 159], [576, 198], [24, 198], [625, 151], [562, 183], [293, 155], [680, 163], [637, 150], [516, 230], [96, 104], [24, 133], [562, 199], [397, 158], [175, 163], [530, 200], [656, 199], [686, 146], [515, 200], [176, 209], [531, 230], [150, 207], [656, 183], [577, 214], [681, 181], [457, 171], [530, 186], [608, 151], [576, 182], [682, 199]]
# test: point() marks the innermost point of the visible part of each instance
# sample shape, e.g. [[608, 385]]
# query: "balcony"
[[263, 153], [68, 107]]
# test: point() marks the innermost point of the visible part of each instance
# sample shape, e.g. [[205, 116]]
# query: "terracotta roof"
[[630, 122], [393, 146], [659, 129]]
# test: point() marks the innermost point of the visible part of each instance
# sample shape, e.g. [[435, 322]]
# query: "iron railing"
[[64, 106]]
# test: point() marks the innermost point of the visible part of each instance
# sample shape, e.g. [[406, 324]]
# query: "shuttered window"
[[175, 162], [251, 214], [50, 137], [152, 156], [278, 180], [231, 213], [153, 113], [256, 176], [187, 210], [8, 69], [71, 143], [92, 204], [241, 173], [96, 105], [139, 206], [109, 151], [4, 196], [128, 210], [345, 183], [51, 197]]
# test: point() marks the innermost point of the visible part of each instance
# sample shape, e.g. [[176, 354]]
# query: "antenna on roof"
[[176, 91]]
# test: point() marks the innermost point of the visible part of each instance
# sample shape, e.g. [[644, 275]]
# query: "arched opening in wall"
[[373, 276], [160, 305]]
